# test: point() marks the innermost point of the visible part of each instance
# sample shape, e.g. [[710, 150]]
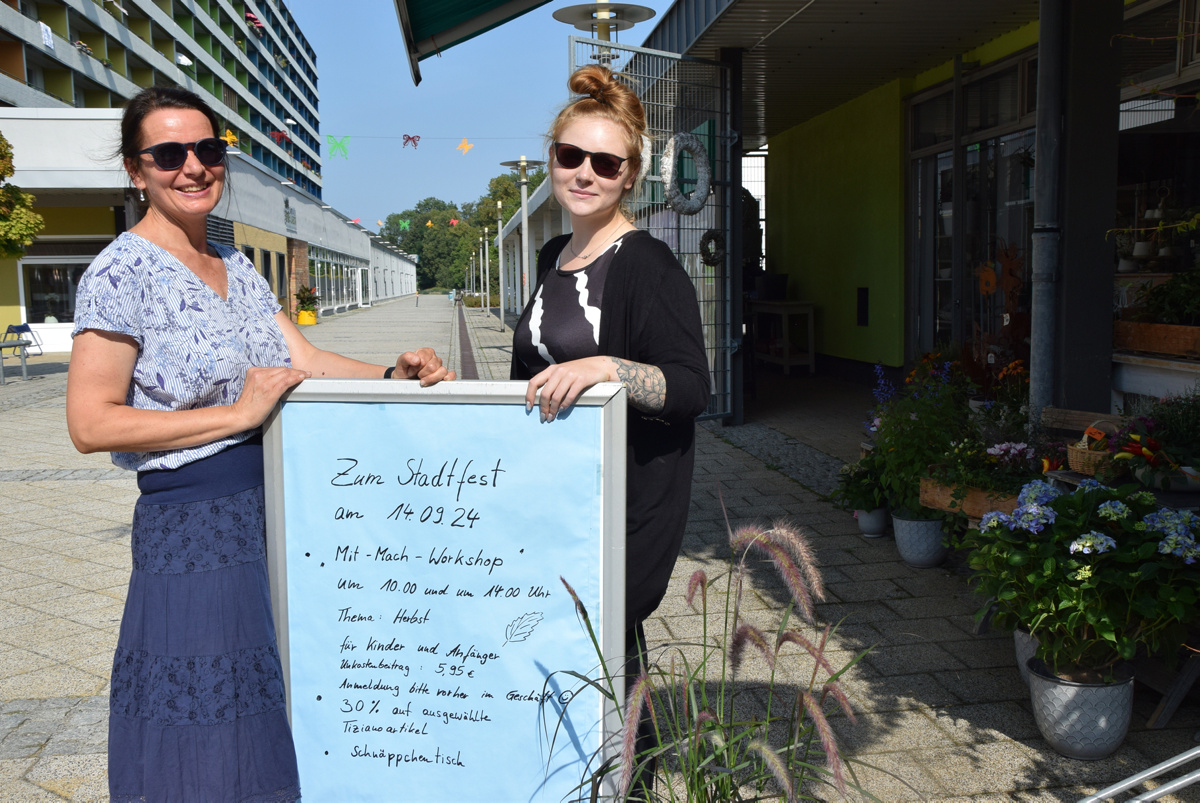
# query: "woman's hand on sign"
[[423, 364], [261, 390], [559, 386]]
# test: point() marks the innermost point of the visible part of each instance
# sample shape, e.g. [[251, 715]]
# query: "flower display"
[[916, 425], [307, 298], [1000, 469], [1162, 442], [1096, 575]]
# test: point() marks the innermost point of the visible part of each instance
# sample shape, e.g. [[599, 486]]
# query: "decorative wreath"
[[712, 248], [686, 143]]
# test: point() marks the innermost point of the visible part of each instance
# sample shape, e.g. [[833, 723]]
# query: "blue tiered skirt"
[[197, 706]]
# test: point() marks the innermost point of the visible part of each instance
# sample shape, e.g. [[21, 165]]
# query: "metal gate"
[[683, 95]]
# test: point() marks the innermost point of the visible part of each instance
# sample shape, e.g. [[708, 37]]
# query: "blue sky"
[[499, 90]]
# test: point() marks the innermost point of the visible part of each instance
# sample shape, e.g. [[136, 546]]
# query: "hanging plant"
[[712, 248]]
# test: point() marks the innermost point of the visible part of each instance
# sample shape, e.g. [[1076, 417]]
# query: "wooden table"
[[779, 350]]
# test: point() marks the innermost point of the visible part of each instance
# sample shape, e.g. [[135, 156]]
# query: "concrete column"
[[1091, 117]]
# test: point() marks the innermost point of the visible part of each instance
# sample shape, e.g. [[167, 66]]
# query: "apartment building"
[[67, 67]]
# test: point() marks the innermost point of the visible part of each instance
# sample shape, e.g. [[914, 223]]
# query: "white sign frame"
[[461, 397]]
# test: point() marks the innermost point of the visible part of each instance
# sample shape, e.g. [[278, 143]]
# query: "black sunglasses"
[[210, 151], [605, 165]]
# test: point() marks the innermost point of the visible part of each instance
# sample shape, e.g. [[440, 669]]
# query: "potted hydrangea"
[[1097, 576]]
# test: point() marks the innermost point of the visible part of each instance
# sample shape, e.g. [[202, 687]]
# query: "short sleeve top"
[[193, 346]]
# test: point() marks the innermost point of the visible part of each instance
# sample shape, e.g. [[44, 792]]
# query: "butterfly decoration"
[[380, 222], [453, 222], [404, 225], [230, 138], [987, 278], [355, 221], [429, 224], [338, 147], [465, 146], [411, 140], [280, 137]]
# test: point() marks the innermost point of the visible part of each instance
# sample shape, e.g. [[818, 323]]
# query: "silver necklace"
[[578, 255]]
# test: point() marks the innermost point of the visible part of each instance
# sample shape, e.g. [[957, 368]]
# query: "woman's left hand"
[[423, 364], [562, 384]]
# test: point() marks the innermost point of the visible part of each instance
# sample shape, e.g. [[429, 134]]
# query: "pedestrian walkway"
[[942, 713]]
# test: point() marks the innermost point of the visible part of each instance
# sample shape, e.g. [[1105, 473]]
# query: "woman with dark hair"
[[613, 304], [180, 351]]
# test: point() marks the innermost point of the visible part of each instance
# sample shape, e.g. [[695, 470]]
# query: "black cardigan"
[[649, 315]]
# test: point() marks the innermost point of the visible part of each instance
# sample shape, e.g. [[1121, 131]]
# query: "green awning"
[[431, 26]]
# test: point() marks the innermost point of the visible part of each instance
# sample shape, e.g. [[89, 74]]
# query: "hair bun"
[[595, 82]]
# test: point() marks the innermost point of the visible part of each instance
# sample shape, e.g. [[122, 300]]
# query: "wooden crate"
[[973, 505], [1157, 338]]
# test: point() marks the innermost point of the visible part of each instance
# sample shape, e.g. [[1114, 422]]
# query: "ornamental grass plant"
[[721, 731], [1098, 575]]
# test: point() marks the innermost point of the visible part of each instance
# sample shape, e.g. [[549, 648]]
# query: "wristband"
[[387, 372]]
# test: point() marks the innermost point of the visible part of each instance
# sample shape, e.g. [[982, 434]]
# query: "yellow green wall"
[[94, 222], [836, 189], [999, 48], [835, 221]]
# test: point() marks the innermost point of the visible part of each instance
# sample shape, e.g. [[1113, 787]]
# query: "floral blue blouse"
[[193, 347]]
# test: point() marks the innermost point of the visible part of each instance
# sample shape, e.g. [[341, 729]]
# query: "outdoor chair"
[[17, 339], [22, 331]]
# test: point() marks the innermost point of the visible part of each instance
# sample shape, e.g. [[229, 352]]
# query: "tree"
[[444, 250], [412, 229], [19, 224]]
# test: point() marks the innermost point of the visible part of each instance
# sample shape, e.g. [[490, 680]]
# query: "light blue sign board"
[[426, 621]]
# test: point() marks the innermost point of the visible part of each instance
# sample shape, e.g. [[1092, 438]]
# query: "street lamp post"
[[487, 273], [471, 276], [522, 166], [291, 149], [500, 260]]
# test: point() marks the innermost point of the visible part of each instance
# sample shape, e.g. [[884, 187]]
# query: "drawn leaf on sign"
[[522, 627]]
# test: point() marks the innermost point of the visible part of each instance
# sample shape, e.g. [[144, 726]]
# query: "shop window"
[[992, 101], [933, 121], [50, 290]]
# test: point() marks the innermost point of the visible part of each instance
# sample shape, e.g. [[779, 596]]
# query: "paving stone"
[[942, 713]]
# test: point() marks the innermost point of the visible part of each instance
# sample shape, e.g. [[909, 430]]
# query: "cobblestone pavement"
[[941, 713]]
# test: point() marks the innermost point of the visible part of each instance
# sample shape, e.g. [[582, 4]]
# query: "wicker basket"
[[1087, 461]]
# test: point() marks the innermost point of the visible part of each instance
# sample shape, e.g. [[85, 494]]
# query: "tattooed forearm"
[[646, 385]]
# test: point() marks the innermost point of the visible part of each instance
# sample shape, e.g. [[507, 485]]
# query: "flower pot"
[[973, 505], [1127, 265], [306, 317], [1185, 479], [1143, 248], [1080, 720], [1025, 644], [919, 541], [872, 523]]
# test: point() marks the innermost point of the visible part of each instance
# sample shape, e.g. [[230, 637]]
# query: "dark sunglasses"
[[605, 165], [210, 151]]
